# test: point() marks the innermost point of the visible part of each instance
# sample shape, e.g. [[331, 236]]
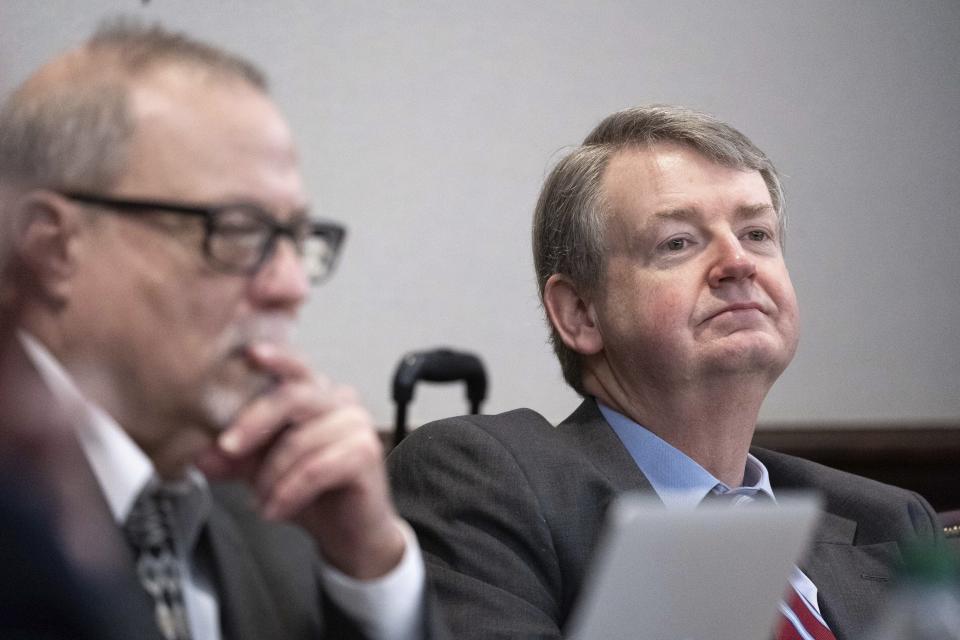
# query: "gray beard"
[[222, 403]]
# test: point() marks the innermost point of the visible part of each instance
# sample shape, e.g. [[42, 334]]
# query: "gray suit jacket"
[[265, 575], [267, 579], [508, 509]]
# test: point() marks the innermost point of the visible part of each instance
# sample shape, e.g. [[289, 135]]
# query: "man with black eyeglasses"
[[153, 205]]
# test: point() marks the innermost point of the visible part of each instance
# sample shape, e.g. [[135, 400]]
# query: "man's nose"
[[281, 282], [731, 263]]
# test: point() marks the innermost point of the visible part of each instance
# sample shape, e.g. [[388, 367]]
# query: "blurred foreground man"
[[65, 576], [160, 248], [658, 247]]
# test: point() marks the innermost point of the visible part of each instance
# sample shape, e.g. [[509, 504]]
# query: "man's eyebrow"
[[650, 226], [753, 211], [690, 214], [686, 213], [302, 213], [239, 198], [683, 214]]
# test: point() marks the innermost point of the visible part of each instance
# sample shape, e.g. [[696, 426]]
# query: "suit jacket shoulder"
[[508, 509], [859, 540], [882, 512]]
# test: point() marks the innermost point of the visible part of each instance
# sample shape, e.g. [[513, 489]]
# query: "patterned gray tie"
[[148, 530]]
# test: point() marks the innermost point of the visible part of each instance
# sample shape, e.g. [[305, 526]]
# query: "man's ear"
[[45, 228], [571, 315]]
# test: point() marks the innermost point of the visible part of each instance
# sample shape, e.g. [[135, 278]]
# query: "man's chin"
[[751, 352], [220, 407]]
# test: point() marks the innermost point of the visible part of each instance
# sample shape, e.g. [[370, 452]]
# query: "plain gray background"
[[428, 127]]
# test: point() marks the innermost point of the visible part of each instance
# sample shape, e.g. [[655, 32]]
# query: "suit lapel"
[[121, 576], [851, 580], [603, 449], [69, 483], [247, 611]]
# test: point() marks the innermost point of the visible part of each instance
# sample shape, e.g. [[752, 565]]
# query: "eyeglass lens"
[[241, 238]]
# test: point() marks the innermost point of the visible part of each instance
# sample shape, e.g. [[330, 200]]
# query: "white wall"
[[428, 127]]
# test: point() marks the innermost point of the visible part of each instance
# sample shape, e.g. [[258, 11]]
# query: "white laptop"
[[712, 573]]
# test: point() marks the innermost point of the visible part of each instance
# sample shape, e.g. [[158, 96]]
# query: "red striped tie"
[[803, 623]]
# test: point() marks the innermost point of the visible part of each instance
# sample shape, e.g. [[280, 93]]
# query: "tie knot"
[[148, 524]]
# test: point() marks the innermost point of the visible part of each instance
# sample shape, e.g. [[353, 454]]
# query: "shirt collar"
[[678, 480], [122, 469]]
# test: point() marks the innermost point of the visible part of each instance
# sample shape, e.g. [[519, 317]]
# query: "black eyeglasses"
[[240, 238]]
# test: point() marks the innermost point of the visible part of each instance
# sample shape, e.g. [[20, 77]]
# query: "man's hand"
[[311, 453]]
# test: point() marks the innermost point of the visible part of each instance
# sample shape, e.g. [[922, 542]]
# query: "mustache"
[[272, 327]]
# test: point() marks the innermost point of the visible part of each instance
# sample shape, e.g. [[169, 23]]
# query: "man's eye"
[[758, 235], [675, 244]]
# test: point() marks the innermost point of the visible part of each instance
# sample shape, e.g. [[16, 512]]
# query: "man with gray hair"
[[160, 237], [658, 245]]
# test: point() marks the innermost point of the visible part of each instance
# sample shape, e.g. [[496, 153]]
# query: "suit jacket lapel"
[[851, 579], [121, 576], [247, 612], [602, 448], [68, 482]]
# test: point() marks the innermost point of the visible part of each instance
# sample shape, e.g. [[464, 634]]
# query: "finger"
[[278, 360], [313, 478], [350, 464], [306, 439], [263, 419]]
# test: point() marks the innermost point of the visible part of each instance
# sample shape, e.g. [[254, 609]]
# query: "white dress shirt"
[[387, 608]]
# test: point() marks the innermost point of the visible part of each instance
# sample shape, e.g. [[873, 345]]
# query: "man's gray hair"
[[569, 219], [69, 125]]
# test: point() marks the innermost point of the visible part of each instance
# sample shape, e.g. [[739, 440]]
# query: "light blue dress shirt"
[[678, 479], [680, 482]]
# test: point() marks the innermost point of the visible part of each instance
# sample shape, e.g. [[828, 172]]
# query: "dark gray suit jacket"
[[267, 580], [266, 575], [508, 509]]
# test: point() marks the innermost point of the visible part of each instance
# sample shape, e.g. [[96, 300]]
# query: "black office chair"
[[440, 365]]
